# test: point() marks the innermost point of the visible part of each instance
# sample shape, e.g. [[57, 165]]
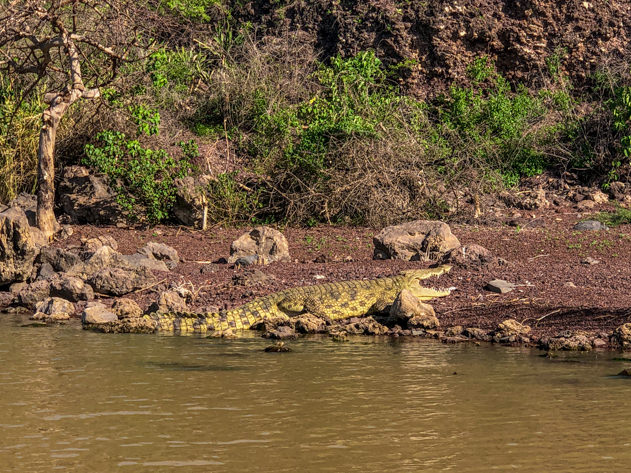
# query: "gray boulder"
[[169, 302], [118, 281], [268, 244], [96, 313], [71, 288], [141, 261], [58, 258], [161, 252], [420, 240], [18, 249], [33, 293], [53, 308]]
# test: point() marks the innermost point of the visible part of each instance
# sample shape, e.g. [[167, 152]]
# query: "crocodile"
[[336, 300]]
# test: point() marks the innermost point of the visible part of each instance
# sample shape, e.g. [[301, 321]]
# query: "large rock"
[[189, 199], [126, 309], [408, 311], [33, 293], [169, 302], [96, 313], [71, 288], [53, 308], [141, 261], [28, 203], [118, 281], [59, 258], [18, 249], [161, 252], [420, 240], [103, 257], [267, 244], [88, 198]]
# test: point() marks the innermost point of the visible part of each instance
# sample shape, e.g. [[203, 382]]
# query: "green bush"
[[142, 178], [495, 123], [354, 100]]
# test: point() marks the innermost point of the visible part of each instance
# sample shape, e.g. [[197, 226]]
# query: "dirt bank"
[[558, 290]]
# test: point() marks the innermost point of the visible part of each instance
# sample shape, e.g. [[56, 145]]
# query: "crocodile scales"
[[336, 300]]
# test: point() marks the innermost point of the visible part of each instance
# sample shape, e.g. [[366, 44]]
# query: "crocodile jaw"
[[428, 293]]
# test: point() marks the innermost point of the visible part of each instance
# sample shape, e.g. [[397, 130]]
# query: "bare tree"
[[71, 49]]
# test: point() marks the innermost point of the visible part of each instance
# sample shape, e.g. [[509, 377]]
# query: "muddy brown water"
[[72, 400]]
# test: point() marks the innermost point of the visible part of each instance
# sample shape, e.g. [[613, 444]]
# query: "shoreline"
[[571, 288]]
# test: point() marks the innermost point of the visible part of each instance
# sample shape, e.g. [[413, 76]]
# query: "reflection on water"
[[81, 401]]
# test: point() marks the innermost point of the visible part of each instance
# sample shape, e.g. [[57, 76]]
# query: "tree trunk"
[[46, 220]]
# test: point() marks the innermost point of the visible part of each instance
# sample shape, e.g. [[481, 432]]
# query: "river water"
[[72, 400]]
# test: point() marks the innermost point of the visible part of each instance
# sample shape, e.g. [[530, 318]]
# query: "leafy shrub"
[[496, 123], [142, 178], [354, 100]]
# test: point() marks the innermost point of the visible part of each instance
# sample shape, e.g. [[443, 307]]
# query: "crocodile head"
[[412, 279]]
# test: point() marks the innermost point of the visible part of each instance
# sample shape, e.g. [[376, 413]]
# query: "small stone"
[[499, 286], [251, 277], [308, 323], [625, 372], [569, 284], [283, 332], [319, 277], [589, 261], [510, 331], [590, 225], [585, 205], [598, 196], [243, 261], [476, 334], [322, 259], [279, 347]]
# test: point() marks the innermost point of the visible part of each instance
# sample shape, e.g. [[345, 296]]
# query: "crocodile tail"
[[240, 318]]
